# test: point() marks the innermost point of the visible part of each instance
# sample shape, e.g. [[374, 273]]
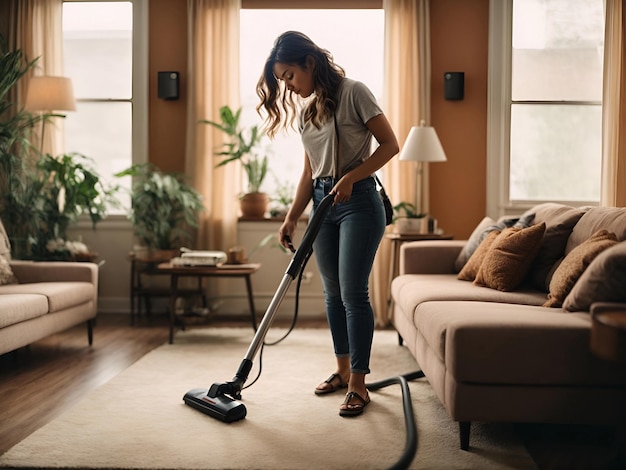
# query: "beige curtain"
[[38, 32], [213, 47], [407, 68], [614, 107]]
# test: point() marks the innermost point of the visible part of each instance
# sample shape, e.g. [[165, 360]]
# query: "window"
[[355, 38], [545, 102], [98, 48]]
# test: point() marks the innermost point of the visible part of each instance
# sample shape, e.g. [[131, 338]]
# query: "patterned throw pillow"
[[6, 274], [509, 258], [484, 228], [470, 270], [603, 281], [575, 263]]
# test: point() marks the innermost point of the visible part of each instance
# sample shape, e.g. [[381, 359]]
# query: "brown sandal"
[[333, 388], [354, 409]]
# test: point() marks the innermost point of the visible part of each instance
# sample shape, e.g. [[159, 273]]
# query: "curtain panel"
[[37, 29], [614, 107], [213, 58], [407, 68]]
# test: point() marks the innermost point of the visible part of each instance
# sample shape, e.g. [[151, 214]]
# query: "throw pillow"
[[469, 271], [602, 281], [575, 263], [509, 257], [6, 273], [477, 236], [5, 245], [484, 228], [558, 229]]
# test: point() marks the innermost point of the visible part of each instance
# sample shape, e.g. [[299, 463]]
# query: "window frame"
[[499, 114], [140, 93]]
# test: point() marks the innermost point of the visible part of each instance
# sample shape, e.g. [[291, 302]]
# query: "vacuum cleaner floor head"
[[221, 407]]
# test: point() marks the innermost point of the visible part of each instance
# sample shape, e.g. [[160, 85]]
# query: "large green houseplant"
[[18, 186], [41, 196], [243, 147], [70, 187], [164, 208]]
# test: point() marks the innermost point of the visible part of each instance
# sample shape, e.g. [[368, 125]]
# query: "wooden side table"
[[227, 270], [141, 293], [397, 239]]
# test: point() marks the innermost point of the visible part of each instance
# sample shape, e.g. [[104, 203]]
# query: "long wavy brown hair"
[[293, 48]]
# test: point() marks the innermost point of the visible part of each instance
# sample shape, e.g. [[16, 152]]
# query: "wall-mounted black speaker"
[[453, 85], [168, 85]]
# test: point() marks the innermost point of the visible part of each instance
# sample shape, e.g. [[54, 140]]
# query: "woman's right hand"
[[285, 234]]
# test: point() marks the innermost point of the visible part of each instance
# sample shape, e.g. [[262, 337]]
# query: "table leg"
[[393, 268], [251, 301], [173, 296]]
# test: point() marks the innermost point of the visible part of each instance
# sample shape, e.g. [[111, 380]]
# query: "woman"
[[337, 119]]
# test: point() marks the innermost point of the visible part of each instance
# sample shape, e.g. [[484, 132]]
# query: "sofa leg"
[[90, 331], [400, 340], [464, 433]]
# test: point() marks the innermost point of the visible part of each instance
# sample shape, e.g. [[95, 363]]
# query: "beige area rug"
[[138, 419]]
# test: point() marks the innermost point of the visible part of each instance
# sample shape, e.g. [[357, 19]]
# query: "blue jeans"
[[344, 249]]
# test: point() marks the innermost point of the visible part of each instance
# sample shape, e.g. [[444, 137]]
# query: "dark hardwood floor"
[[41, 381]]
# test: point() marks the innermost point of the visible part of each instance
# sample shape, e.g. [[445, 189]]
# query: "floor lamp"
[[47, 94], [422, 145]]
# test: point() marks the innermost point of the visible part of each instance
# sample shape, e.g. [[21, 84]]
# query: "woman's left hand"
[[342, 190]]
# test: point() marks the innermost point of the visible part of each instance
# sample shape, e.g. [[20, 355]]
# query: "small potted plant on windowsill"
[[407, 220], [242, 147]]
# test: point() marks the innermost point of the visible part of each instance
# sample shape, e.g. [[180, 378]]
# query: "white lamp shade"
[[48, 93], [423, 145]]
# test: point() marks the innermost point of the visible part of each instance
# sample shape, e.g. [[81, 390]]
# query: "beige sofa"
[[39, 298], [487, 344]]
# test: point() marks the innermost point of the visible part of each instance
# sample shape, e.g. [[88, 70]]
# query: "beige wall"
[[459, 33]]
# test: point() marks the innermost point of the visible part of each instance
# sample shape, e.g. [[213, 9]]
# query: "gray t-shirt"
[[356, 106]]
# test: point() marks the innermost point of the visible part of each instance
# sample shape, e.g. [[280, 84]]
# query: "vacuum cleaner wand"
[[221, 399]]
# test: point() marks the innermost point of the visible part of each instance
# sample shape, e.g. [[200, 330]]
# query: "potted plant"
[[69, 187], [282, 199], [242, 147], [407, 220], [18, 186], [164, 209]]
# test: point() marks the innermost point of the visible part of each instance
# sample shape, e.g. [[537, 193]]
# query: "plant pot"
[[254, 205], [152, 255], [407, 225]]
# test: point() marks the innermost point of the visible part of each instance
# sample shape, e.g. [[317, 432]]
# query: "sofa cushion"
[[508, 259], [493, 343], [16, 308], [612, 219], [410, 290], [560, 221], [603, 281], [61, 295], [572, 267], [471, 268]]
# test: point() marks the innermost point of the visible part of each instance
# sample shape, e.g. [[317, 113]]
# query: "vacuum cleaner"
[[221, 400]]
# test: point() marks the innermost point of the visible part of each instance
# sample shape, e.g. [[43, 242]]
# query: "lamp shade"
[[48, 93], [423, 145]]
